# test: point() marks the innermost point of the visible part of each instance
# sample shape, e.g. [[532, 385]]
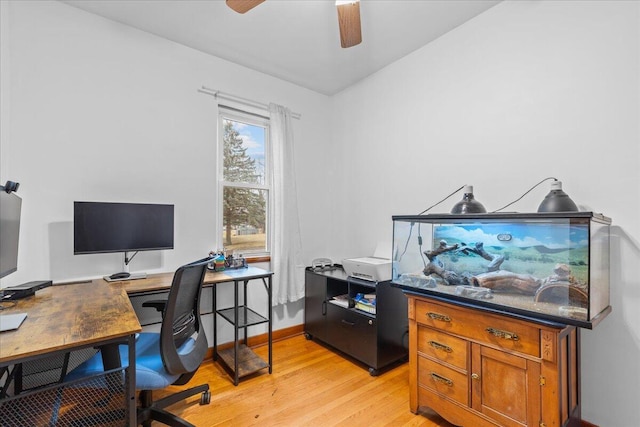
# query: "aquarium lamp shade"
[[557, 200], [468, 204]]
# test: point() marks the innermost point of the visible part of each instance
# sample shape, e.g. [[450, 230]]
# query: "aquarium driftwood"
[[450, 277], [478, 249], [507, 281], [442, 248], [557, 287]]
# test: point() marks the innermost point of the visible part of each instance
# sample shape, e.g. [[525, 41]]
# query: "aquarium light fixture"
[[468, 204], [557, 200]]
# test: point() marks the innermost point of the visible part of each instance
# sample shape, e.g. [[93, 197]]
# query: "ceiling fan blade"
[[243, 6], [349, 22]]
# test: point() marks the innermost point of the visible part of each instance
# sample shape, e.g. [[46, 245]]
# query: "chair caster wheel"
[[205, 398]]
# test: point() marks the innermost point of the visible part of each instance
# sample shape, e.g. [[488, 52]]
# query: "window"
[[244, 182]]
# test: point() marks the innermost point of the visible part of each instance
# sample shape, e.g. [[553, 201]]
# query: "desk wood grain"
[[66, 317], [162, 281]]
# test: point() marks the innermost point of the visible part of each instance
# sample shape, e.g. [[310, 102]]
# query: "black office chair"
[[170, 357]]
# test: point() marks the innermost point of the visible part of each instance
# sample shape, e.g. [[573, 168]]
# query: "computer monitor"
[[104, 227], [10, 207]]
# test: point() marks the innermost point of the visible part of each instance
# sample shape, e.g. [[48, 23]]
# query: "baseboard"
[[263, 339], [584, 423]]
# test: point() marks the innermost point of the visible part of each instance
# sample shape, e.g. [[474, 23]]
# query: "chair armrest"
[[157, 304]]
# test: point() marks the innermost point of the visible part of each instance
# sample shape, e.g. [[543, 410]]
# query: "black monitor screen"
[[10, 206], [100, 227]]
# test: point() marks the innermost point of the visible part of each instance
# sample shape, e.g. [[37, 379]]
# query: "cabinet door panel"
[[352, 333], [315, 305], [505, 387]]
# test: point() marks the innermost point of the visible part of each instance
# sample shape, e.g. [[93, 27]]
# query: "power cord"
[[433, 206], [527, 192], [419, 234]]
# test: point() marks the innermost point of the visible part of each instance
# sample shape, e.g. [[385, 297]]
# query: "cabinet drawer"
[[443, 380], [482, 327], [352, 333], [444, 347]]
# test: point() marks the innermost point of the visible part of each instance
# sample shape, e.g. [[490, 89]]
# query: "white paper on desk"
[[10, 322]]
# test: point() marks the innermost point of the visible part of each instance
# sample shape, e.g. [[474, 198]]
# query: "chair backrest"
[[181, 320]]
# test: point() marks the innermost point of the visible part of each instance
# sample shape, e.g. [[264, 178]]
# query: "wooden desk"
[[68, 317]]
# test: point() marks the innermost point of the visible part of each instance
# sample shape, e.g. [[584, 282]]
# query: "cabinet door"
[[353, 333], [315, 305], [505, 387]]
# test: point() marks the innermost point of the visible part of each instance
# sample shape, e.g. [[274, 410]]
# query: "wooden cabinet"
[[375, 339], [481, 368]]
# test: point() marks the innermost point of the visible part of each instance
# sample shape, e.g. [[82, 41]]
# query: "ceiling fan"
[[348, 18]]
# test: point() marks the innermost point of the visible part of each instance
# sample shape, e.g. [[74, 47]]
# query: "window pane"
[[244, 152], [244, 219]]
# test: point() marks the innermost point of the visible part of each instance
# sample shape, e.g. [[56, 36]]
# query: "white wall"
[[95, 110], [524, 91]]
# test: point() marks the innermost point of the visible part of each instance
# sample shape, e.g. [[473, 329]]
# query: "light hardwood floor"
[[310, 386]]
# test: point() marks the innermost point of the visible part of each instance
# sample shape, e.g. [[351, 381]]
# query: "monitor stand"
[[125, 275], [132, 276]]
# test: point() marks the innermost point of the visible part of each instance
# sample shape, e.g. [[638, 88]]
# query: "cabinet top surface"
[[335, 271]]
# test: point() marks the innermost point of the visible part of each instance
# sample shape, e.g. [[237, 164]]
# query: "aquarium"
[[550, 266]]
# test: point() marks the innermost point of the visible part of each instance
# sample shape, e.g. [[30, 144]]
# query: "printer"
[[371, 268]]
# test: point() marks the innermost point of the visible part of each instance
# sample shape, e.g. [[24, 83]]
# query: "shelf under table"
[[246, 316], [248, 361]]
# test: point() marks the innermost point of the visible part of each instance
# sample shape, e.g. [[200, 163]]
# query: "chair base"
[[154, 411]]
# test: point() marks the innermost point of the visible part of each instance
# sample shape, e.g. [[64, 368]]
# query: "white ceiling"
[[295, 40]]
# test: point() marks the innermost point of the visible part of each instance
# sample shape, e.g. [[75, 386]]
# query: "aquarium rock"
[[473, 292]]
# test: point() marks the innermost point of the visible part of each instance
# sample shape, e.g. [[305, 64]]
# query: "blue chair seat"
[[150, 371]]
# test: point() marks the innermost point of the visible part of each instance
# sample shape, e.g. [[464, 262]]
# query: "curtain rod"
[[229, 97]]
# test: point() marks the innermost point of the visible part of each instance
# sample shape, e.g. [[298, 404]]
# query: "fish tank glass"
[[549, 266]]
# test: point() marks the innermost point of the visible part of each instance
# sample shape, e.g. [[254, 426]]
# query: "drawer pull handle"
[[503, 334], [439, 346], [437, 316], [346, 322], [441, 379]]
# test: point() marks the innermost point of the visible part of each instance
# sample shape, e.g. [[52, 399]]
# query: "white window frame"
[[239, 115]]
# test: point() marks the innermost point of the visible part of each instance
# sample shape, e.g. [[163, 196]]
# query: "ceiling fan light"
[[243, 6], [349, 22]]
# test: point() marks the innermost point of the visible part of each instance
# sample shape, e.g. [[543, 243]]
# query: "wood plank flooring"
[[310, 386]]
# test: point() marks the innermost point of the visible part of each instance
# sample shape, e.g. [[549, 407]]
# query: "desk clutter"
[[361, 301], [24, 290], [224, 261]]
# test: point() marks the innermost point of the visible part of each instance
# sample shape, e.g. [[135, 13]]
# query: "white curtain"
[[286, 252]]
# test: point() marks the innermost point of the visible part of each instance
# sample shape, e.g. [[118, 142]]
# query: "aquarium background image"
[[532, 248]]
